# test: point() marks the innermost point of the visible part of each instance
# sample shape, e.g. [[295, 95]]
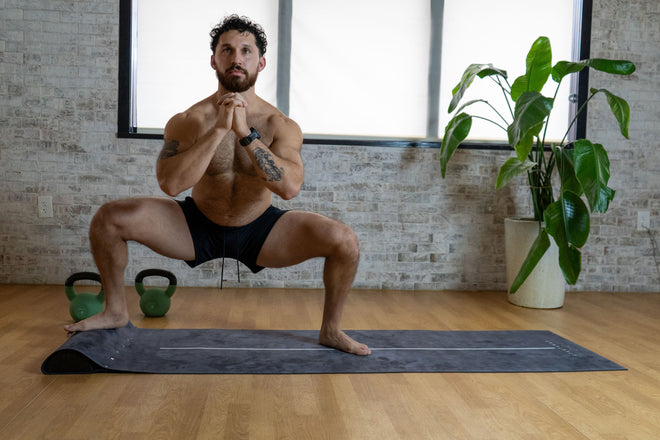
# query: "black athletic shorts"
[[242, 243]]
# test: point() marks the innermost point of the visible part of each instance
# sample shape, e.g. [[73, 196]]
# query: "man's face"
[[236, 61]]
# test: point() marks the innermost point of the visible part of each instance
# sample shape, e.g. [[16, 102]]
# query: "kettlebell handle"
[[139, 278], [78, 276]]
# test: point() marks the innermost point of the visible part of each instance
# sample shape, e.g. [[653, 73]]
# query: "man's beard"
[[237, 84]]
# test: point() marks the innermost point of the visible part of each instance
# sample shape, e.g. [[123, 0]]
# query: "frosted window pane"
[[174, 56], [494, 36], [360, 67]]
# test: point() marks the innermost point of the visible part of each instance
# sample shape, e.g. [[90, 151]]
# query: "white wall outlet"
[[643, 220], [45, 206]]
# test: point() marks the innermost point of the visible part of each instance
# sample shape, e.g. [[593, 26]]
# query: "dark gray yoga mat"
[[212, 351]]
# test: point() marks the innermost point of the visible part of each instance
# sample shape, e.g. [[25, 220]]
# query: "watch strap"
[[247, 140]]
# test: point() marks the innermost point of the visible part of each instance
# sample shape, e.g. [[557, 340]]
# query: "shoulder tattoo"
[[170, 149], [267, 165]]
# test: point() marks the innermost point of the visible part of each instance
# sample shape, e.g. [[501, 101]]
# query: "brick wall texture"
[[58, 113]]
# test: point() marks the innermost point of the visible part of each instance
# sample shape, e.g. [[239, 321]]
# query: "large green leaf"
[[538, 249], [570, 262], [456, 131], [491, 71], [617, 67], [512, 168], [563, 68], [538, 68], [473, 70], [620, 110], [469, 103], [592, 168], [565, 166], [531, 110], [567, 221]]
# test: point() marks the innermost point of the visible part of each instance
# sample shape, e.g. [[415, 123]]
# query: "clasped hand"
[[232, 113]]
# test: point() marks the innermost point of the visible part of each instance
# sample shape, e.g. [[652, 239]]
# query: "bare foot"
[[101, 320], [341, 341]]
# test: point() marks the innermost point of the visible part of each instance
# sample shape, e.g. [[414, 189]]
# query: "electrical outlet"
[[45, 206], [643, 220]]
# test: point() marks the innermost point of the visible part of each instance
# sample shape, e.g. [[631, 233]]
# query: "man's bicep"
[[288, 144], [177, 132], [170, 149]]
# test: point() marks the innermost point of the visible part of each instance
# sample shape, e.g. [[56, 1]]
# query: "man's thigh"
[[298, 236], [156, 222]]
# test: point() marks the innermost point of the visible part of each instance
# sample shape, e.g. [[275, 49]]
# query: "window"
[[346, 70], [171, 55], [482, 38], [362, 73]]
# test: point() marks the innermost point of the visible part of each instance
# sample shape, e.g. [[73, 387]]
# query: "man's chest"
[[231, 157]]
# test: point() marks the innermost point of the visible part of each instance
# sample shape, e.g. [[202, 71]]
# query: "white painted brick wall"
[[58, 82]]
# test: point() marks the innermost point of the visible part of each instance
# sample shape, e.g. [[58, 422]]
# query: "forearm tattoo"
[[170, 149], [266, 163]]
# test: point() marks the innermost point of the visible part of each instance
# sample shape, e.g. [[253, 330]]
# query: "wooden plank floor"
[[600, 405]]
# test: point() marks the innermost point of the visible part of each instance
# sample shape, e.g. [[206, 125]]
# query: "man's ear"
[[262, 63], [213, 62]]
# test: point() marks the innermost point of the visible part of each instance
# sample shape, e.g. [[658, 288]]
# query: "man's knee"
[[111, 217], [346, 241]]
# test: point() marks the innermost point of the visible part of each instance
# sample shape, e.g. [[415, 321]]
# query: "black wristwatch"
[[247, 140]]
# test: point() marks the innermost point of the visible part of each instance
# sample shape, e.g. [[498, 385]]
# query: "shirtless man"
[[234, 150]]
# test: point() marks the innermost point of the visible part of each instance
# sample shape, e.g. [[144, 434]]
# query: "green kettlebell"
[[84, 305], [155, 302]]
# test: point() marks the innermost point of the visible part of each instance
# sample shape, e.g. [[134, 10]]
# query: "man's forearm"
[[279, 174], [178, 171]]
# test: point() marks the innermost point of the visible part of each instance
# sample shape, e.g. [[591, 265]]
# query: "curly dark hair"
[[242, 24]]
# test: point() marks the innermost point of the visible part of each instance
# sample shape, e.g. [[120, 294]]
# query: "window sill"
[[362, 141]]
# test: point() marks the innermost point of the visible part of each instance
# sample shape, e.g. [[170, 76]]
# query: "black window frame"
[[433, 140]]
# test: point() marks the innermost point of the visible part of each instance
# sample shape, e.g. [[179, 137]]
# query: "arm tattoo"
[[170, 149], [267, 165]]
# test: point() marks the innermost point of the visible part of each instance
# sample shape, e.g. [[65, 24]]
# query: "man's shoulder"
[[184, 122], [201, 110], [279, 121], [190, 120], [286, 134]]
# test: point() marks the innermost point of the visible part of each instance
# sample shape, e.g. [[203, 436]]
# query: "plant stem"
[[504, 92], [582, 107], [545, 131], [498, 113], [489, 120]]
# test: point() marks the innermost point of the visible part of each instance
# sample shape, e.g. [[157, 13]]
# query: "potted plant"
[[582, 166]]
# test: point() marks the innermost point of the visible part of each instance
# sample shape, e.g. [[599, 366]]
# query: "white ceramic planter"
[[545, 287]]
